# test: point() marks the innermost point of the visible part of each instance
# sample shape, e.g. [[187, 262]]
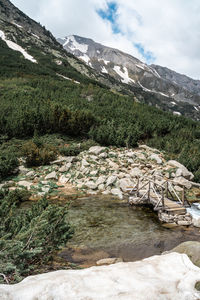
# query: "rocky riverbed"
[[103, 171]]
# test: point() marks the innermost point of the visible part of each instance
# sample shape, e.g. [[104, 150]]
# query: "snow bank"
[[75, 45], [123, 75], [16, 47], [103, 70], [170, 276]]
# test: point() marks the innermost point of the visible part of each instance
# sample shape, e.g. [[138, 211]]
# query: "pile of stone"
[[103, 170]]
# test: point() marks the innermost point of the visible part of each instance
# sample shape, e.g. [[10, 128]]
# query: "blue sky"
[[111, 15], [160, 32]]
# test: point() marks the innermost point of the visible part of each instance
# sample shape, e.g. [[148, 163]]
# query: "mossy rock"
[[192, 249]]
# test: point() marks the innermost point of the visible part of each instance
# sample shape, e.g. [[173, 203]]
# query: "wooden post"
[[149, 190], [167, 187], [183, 196], [138, 182], [163, 199]]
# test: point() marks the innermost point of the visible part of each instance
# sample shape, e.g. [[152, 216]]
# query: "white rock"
[[183, 170], [23, 170], [51, 175], [103, 155], [156, 158], [96, 150], [112, 164], [125, 183], [130, 154], [101, 187], [166, 277], [183, 182], [63, 179], [91, 185], [84, 163], [117, 192], [65, 168], [25, 184], [135, 172], [30, 174], [108, 261], [140, 155], [111, 180], [45, 189], [101, 180], [94, 173]]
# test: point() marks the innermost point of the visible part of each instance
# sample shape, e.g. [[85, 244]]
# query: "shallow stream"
[[109, 227]]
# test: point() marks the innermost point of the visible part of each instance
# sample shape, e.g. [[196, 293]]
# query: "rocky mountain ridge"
[[175, 89]]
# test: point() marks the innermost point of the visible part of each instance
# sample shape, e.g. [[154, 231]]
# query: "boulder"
[[135, 172], [101, 187], [125, 183], [191, 248], [96, 150], [182, 170], [23, 170], [65, 168], [51, 175], [111, 180], [109, 261], [25, 184], [156, 158], [91, 185], [113, 165], [63, 179], [182, 182], [103, 155], [117, 192], [84, 163], [169, 276], [30, 174], [101, 180]]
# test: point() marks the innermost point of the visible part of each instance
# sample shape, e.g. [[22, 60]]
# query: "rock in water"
[[170, 276]]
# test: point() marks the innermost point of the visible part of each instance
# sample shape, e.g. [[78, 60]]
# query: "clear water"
[[111, 225]]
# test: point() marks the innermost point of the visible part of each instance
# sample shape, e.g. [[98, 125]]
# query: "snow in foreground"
[[16, 47], [165, 277]]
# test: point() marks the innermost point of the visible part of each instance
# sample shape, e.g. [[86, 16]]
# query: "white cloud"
[[169, 29]]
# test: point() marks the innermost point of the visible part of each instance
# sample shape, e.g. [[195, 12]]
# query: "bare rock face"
[[174, 90], [170, 276]]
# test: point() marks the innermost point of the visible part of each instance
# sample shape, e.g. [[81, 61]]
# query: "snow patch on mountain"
[[74, 45], [67, 78], [16, 47], [151, 91], [19, 26], [103, 70], [123, 75], [105, 61], [85, 58], [35, 35]]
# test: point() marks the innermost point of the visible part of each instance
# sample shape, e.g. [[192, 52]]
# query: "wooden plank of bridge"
[[170, 206]]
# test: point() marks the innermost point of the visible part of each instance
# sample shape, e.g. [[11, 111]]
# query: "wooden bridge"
[[162, 196]]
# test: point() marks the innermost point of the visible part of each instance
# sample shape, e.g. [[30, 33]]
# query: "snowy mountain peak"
[[130, 70]]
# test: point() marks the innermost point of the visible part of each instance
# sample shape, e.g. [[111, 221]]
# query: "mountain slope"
[[181, 93]]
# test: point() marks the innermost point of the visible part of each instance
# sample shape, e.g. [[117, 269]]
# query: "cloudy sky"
[[161, 32]]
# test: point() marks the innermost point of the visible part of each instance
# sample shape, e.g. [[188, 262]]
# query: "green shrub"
[[29, 236], [38, 154], [71, 150], [8, 163]]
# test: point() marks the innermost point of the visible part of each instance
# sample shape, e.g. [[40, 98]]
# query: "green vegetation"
[[29, 236], [40, 101]]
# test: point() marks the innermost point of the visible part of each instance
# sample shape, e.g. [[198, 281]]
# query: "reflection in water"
[[111, 226]]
